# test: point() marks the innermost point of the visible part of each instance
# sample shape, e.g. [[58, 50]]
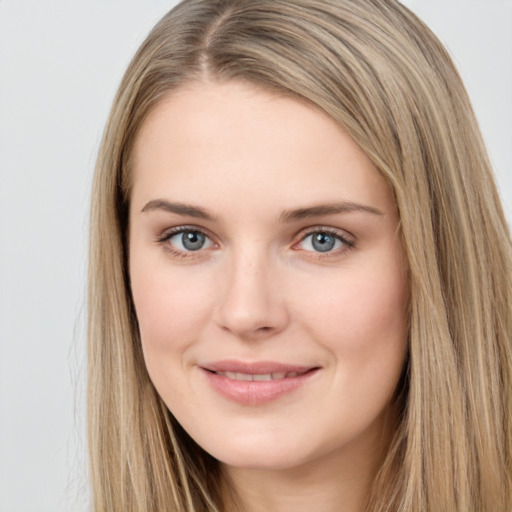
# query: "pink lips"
[[254, 383]]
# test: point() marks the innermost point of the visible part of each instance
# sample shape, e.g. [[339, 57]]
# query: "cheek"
[[171, 312], [363, 324], [361, 317]]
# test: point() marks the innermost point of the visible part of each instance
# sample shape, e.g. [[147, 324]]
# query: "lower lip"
[[256, 392]]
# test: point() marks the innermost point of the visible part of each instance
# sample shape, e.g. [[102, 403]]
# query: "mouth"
[[261, 377], [256, 383]]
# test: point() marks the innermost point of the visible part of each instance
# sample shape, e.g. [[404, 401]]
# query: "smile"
[[259, 376], [256, 383]]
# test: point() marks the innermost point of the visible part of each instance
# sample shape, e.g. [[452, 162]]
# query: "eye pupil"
[[192, 240], [323, 242]]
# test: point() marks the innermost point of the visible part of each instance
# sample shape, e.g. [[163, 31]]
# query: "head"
[[375, 71]]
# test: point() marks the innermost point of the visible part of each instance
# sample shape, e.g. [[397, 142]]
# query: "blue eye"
[[323, 241], [188, 240]]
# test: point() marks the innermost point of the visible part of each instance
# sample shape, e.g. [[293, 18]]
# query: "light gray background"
[[60, 64]]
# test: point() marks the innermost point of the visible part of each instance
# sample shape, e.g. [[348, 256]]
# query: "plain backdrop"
[[60, 64]]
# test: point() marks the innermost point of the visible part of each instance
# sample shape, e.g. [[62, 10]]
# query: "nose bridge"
[[251, 303]]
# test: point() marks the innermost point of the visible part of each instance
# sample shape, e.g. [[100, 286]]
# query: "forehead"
[[211, 141]]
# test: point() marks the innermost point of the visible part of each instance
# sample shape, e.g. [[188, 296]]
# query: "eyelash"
[[347, 244], [165, 237]]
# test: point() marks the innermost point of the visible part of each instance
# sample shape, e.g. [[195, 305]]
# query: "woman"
[[300, 273]]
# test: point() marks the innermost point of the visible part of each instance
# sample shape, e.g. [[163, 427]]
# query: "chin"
[[259, 451], [267, 459]]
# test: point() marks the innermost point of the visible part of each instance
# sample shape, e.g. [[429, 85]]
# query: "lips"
[[255, 383], [258, 376]]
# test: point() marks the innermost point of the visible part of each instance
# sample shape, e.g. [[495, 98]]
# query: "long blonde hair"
[[385, 78]]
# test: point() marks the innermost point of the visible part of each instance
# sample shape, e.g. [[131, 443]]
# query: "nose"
[[252, 304]]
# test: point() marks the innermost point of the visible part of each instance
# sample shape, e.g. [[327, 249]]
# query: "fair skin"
[[263, 241]]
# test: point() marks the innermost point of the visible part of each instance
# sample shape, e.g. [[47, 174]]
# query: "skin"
[[260, 290]]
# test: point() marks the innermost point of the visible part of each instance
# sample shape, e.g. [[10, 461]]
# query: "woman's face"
[[268, 277]]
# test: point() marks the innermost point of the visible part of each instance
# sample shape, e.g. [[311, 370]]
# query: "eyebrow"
[[178, 208], [326, 209], [287, 216]]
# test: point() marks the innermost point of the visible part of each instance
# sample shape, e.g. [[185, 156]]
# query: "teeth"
[[258, 377], [264, 376], [236, 375]]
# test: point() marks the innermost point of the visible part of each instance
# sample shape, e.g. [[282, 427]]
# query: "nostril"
[[263, 329]]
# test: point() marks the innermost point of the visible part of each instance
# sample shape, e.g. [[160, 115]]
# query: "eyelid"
[[338, 232], [345, 237], [348, 240], [168, 233]]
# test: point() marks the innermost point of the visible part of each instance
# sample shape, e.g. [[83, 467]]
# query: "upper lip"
[[255, 367]]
